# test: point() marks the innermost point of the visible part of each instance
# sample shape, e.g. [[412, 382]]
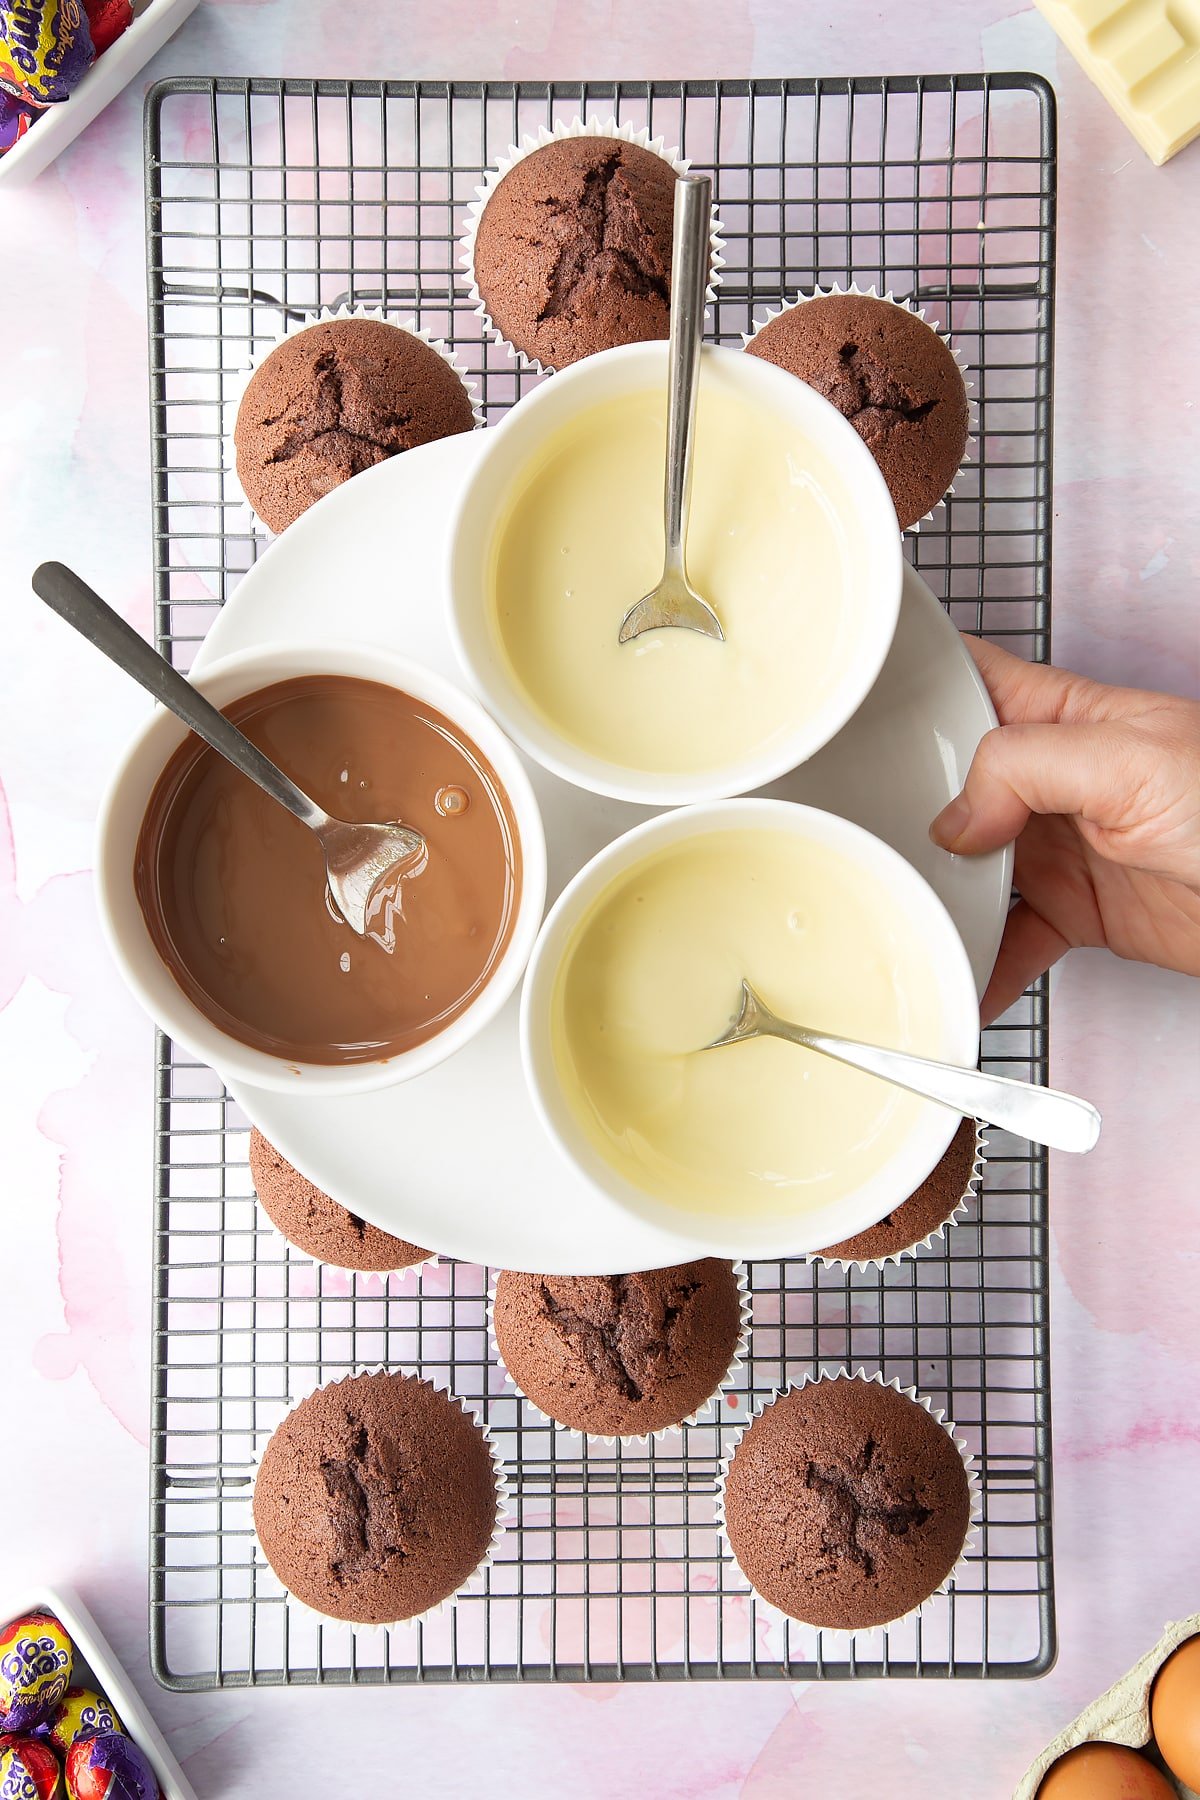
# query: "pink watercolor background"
[[75, 1112]]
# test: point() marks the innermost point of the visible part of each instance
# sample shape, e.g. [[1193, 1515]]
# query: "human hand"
[[1100, 788]]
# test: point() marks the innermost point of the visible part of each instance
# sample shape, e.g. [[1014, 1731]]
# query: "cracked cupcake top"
[[892, 376], [846, 1504], [619, 1355], [319, 1226], [332, 401], [573, 249], [375, 1499]]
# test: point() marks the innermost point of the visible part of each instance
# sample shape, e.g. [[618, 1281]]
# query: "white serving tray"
[[96, 1666], [60, 125], [477, 1177]]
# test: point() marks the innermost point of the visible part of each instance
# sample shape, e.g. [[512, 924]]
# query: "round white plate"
[[456, 1159]]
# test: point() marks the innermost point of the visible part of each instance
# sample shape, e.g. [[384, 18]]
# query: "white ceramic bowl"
[[872, 594], [949, 969], [147, 975]]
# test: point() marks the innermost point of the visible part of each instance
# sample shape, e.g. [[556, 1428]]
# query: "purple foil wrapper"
[[109, 1767], [46, 49], [15, 121]]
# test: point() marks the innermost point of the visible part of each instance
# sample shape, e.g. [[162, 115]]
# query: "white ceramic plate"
[[457, 1160]]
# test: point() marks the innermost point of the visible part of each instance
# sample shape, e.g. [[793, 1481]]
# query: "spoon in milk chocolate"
[[1042, 1115], [362, 862], [675, 601]]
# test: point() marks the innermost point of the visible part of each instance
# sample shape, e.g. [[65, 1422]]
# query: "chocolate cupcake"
[[568, 248], [376, 1499], [892, 375], [927, 1211], [334, 398], [314, 1223], [846, 1503], [620, 1355]]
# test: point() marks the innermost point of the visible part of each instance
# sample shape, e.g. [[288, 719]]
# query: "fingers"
[[1025, 693], [1028, 948], [1087, 771]]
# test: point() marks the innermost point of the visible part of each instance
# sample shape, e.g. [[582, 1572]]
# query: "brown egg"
[[1175, 1713], [1104, 1772]]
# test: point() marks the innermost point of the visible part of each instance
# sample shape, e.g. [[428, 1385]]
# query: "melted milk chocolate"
[[232, 888]]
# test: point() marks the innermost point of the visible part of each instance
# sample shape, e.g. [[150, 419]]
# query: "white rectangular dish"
[[97, 1666], [60, 125]]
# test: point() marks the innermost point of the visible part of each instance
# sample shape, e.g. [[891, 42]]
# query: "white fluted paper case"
[[937, 1235], [269, 1584], [916, 312], [415, 1269], [737, 1361], [320, 316], [516, 153], [975, 1501]]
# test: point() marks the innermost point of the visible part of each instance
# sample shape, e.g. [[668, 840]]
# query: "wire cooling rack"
[[266, 199]]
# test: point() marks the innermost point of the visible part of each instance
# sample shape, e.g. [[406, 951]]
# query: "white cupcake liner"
[[516, 153], [713, 1400], [917, 312], [975, 1502], [414, 1268], [321, 316], [321, 1262], [269, 1584], [970, 1193]]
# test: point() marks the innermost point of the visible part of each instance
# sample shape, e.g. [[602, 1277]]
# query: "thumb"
[[1083, 771]]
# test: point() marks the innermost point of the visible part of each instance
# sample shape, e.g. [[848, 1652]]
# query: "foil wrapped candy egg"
[[35, 1670], [28, 1770], [109, 1766], [82, 1712]]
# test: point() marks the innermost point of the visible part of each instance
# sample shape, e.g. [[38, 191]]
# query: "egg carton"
[[96, 1666], [1121, 1716]]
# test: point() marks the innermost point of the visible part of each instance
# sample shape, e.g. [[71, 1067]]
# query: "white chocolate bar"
[[1144, 56]]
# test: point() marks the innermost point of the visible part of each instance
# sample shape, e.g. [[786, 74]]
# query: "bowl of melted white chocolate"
[[792, 539], [761, 1148]]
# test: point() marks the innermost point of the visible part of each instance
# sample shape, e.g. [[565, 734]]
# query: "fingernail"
[[951, 822]]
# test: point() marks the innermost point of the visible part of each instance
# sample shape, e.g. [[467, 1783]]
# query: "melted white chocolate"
[[583, 540], [653, 973]]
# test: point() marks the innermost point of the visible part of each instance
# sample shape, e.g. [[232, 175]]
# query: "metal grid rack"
[[266, 199]]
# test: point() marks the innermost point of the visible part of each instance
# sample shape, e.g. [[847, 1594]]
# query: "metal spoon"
[[362, 862], [1042, 1115], [674, 601]]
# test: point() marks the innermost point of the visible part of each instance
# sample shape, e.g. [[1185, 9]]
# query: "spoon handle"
[[1043, 1115], [73, 600], [689, 278]]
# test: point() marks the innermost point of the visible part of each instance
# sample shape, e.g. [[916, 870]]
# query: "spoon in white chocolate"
[[675, 601], [1042, 1115]]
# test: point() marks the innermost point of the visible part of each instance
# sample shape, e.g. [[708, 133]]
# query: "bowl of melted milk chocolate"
[[214, 897]]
